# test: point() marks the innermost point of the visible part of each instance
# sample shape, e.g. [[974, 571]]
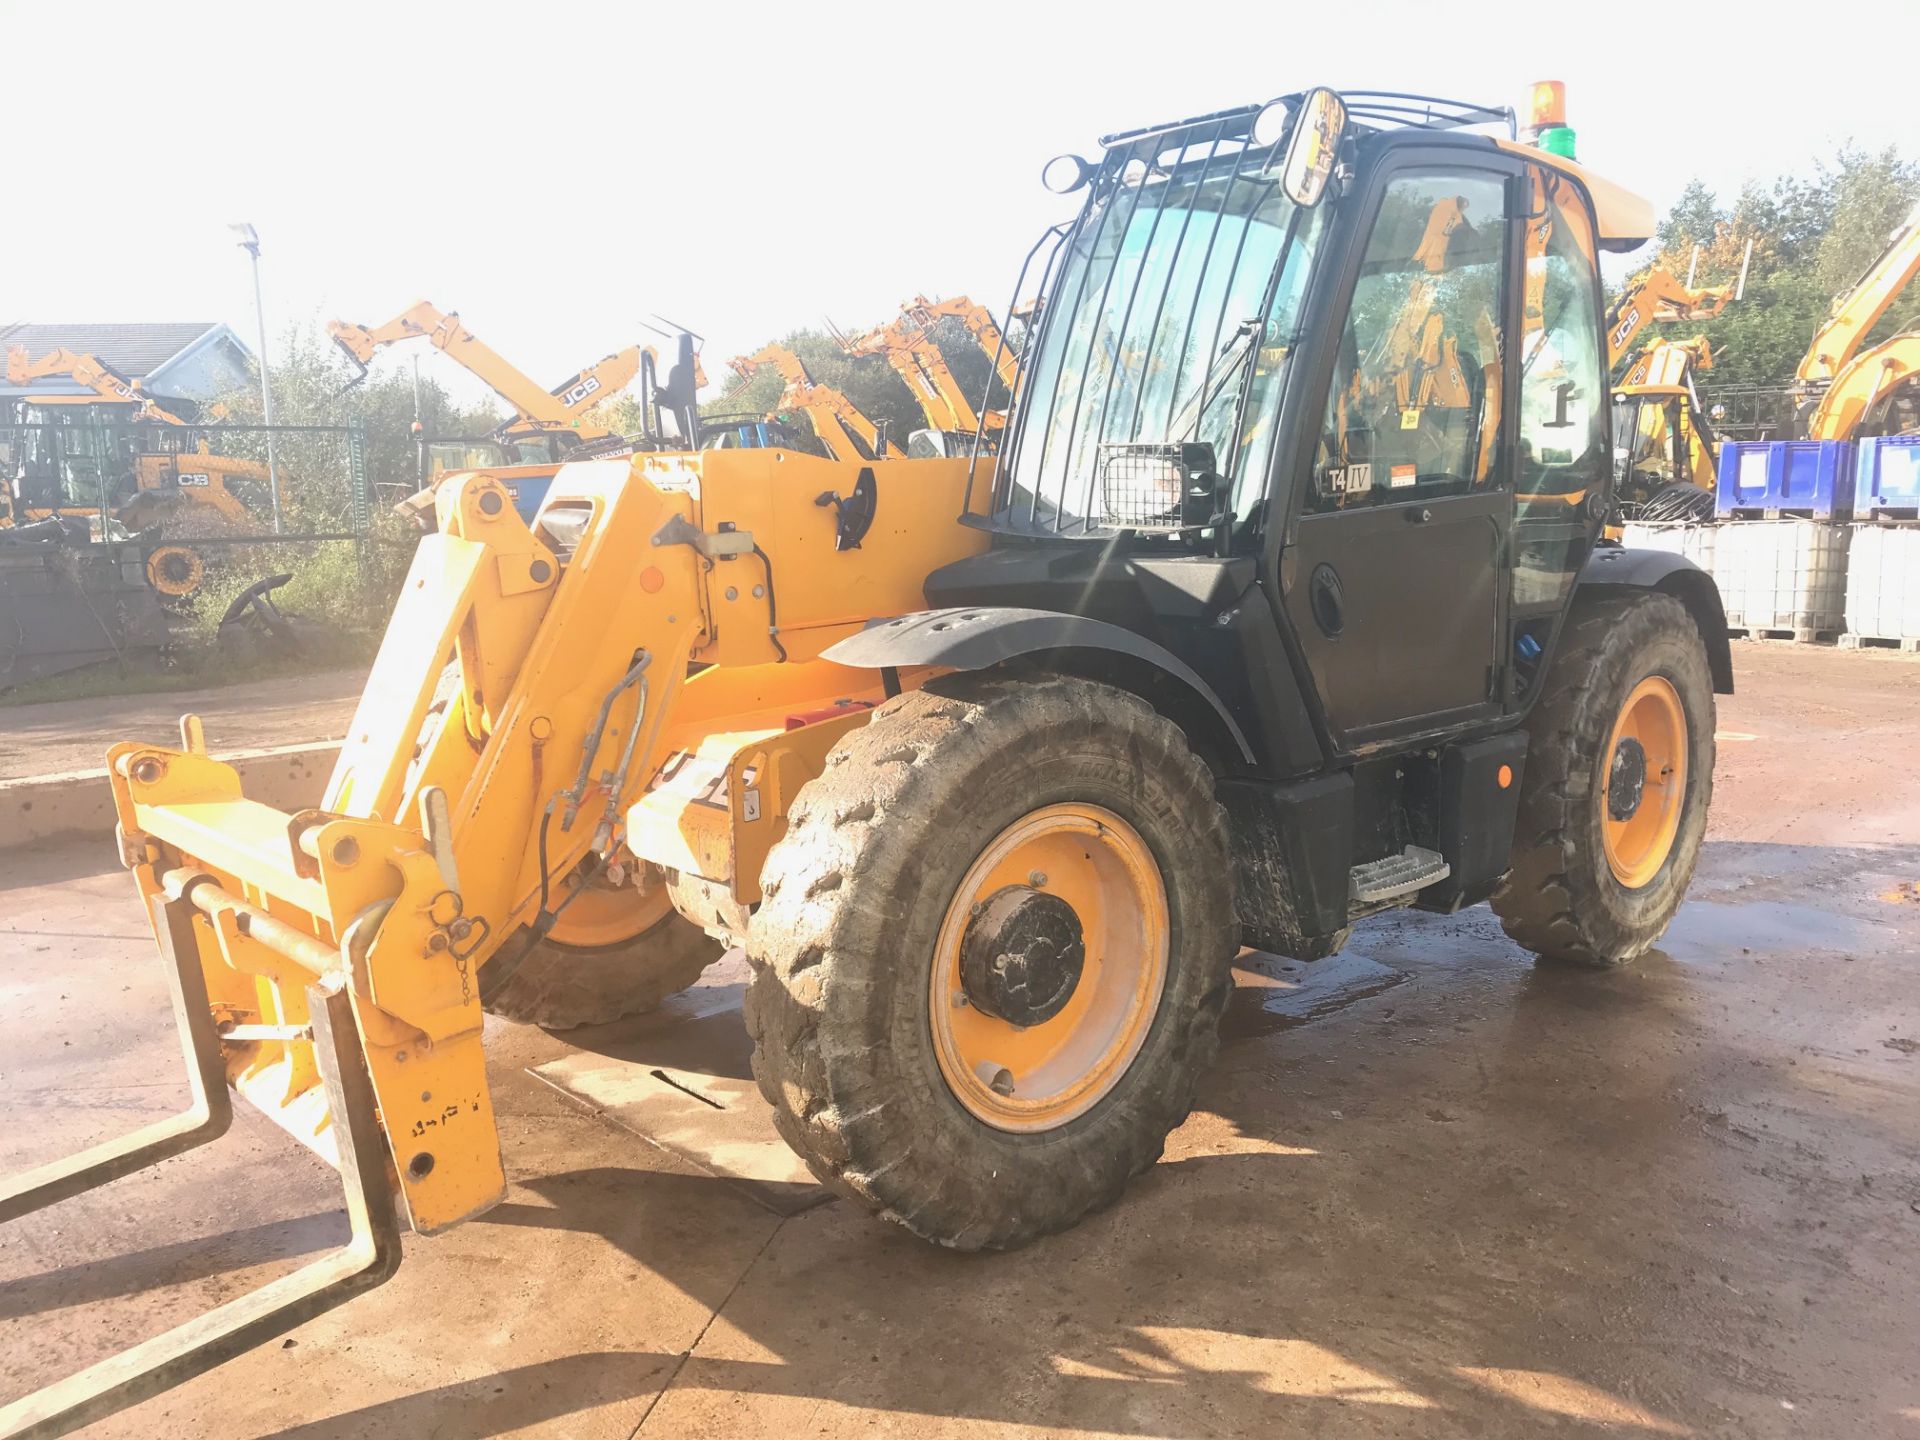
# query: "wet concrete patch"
[[681, 1078], [1713, 927], [1274, 993]]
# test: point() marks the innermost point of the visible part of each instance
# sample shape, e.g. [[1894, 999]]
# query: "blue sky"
[[561, 173]]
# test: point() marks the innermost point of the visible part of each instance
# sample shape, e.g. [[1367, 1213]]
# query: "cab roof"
[[1625, 220]]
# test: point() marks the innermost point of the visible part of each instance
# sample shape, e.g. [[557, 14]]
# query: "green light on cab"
[[1558, 141]]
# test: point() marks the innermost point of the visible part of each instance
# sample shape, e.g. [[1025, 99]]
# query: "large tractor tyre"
[[1618, 778], [616, 951], [992, 956]]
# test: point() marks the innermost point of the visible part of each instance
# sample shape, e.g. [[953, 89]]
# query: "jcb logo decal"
[[200, 478], [575, 394]]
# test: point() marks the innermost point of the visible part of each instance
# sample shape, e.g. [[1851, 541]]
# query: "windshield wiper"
[[1233, 356]]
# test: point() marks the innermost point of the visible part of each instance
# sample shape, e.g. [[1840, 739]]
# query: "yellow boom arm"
[[1860, 309], [980, 324], [535, 409], [918, 361]]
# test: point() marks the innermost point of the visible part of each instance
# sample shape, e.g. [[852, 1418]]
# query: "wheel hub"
[[1627, 780], [1022, 956]]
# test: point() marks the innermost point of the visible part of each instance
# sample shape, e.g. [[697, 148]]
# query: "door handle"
[[1327, 600]]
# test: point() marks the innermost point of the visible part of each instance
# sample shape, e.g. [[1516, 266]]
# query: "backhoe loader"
[[139, 465], [991, 764]]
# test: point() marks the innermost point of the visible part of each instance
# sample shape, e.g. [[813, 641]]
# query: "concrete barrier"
[[51, 807]]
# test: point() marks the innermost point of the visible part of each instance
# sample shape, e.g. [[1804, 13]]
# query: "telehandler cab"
[[991, 764]]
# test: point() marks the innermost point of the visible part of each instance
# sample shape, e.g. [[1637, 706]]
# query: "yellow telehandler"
[[990, 763]]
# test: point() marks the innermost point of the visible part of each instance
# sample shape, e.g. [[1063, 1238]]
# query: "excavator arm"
[[1863, 384], [91, 371], [535, 408], [1855, 313], [1658, 295]]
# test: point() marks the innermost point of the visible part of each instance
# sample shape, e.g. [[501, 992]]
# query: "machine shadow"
[[181, 1262]]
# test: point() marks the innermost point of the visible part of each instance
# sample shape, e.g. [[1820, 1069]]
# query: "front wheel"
[[992, 956], [1613, 806], [616, 950]]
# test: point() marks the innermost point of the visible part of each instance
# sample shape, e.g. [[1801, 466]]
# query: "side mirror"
[[1314, 148]]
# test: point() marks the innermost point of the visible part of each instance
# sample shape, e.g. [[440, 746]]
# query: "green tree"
[[1813, 236]]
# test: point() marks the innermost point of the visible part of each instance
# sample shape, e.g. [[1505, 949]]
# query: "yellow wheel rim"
[[605, 914], [1644, 782], [175, 571], [1043, 1075]]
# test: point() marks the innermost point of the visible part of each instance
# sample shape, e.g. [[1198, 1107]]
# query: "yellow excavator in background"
[[839, 424], [156, 474], [1847, 393], [954, 426]]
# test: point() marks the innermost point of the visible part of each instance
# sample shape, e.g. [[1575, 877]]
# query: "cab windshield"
[[1171, 311]]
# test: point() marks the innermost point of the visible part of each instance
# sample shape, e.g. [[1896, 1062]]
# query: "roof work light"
[[1547, 106], [1547, 118]]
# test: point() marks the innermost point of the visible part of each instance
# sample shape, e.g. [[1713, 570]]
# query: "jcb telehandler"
[[992, 763]]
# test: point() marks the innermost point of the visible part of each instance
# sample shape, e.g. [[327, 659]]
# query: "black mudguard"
[[974, 637], [1617, 568]]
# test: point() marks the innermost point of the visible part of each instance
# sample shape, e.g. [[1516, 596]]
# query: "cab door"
[[1394, 573]]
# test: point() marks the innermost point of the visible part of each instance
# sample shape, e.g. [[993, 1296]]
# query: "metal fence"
[[208, 513]]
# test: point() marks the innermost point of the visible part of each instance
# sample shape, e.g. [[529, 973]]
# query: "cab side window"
[[1413, 411], [1563, 394]]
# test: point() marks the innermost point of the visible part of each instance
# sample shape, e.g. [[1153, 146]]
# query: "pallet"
[[1907, 644], [1791, 512], [1801, 637]]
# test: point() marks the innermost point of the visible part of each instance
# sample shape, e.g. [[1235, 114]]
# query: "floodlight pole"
[[250, 242]]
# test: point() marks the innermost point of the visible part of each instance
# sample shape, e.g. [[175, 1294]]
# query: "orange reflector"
[[1547, 105], [651, 579], [1506, 776]]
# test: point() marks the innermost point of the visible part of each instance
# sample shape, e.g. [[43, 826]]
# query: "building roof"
[[136, 351]]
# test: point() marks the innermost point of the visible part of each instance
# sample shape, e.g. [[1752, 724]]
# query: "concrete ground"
[[1450, 1196], [62, 735]]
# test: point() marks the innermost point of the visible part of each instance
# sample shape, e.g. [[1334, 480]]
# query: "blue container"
[[1886, 476], [1813, 478], [526, 492]]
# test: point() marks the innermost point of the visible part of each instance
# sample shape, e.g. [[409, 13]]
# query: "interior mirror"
[[1314, 147]]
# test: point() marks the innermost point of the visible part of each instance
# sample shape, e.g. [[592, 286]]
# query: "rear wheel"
[[615, 951], [993, 954], [175, 571], [1619, 775]]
